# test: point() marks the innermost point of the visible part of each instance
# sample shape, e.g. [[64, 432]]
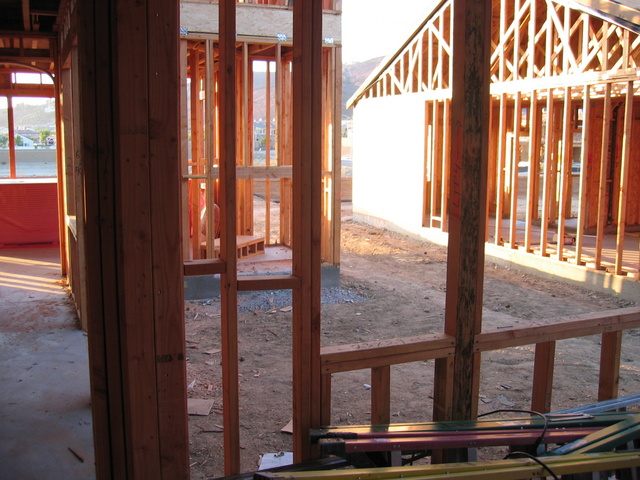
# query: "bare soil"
[[398, 290]]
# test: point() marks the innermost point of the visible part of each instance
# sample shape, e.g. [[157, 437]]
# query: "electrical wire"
[[535, 459]]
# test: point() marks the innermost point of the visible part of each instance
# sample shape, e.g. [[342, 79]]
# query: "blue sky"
[[376, 28]]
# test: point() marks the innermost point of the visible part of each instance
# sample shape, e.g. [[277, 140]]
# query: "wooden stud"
[[61, 195], [565, 173], [336, 156], [445, 144], [436, 176], [267, 181], [197, 153], [515, 157], [381, 395], [228, 280], [548, 173], [307, 137], [543, 377], [168, 292], [584, 165], [609, 365], [12, 138], [602, 189], [500, 166], [184, 157], [623, 189], [469, 124], [210, 146], [325, 399]]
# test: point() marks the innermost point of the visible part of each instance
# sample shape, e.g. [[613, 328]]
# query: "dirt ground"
[[391, 287]]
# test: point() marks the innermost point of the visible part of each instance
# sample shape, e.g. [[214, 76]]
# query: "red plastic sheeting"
[[28, 211]]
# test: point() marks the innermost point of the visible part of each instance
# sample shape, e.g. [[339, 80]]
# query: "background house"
[[563, 161]]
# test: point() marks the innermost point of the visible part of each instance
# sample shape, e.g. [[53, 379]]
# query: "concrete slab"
[[45, 404]]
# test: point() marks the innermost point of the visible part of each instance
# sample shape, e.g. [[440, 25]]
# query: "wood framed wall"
[[563, 176], [200, 176], [125, 149]]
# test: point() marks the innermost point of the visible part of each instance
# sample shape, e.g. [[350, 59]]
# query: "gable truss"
[[540, 43]]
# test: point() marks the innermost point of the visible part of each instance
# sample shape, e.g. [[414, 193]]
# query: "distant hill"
[[353, 76], [31, 116]]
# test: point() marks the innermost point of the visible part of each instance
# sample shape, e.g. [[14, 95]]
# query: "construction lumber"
[[62, 228], [606, 439], [512, 469], [602, 187], [584, 162], [379, 353], [209, 266], [251, 283], [623, 186], [381, 395], [228, 280], [307, 150], [447, 440], [609, 376], [129, 153], [543, 377], [468, 177], [573, 326], [165, 193]]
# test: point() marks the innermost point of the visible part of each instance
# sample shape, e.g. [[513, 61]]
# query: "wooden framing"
[[125, 188], [560, 72], [271, 176], [465, 263]]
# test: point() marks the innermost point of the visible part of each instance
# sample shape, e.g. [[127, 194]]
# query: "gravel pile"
[[278, 299]]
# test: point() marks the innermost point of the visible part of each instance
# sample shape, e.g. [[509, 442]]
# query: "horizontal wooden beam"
[[561, 328], [343, 358], [561, 81], [204, 267], [44, 91], [252, 283], [487, 469], [283, 171]]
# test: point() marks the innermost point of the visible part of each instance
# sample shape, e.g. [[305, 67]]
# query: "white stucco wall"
[[388, 160]]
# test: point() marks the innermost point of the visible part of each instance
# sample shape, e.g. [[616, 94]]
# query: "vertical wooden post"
[[602, 188], [584, 162], [623, 188], [532, 169], [196, 150], [62, 224], [467, 206], [228, 280], [565, 173], [184, 158], [609, 365], [336, 157], [12, 138], [500, 166], [307, 148], [267, 181], [164, 138], [515, 158], [210, 143], [131, 179], [543, 377], [547, 179], [381, 395]]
